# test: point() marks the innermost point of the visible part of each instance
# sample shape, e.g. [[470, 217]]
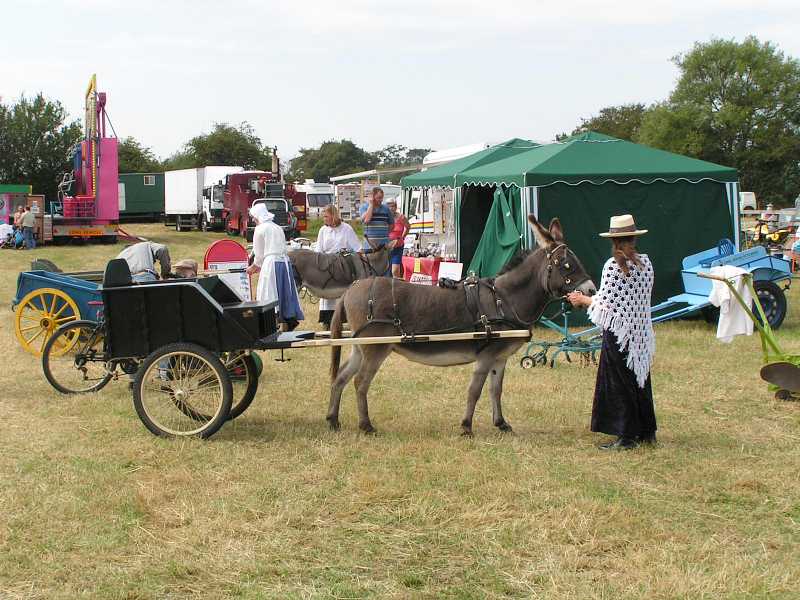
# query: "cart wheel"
[[773, 301], [182, 390], [526, 362], [39, 314], [73, 360], [243, 372]]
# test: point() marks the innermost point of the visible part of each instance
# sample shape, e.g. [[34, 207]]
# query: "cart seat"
[[117, 273], [724, 248]]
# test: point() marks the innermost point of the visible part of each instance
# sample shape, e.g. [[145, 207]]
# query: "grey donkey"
[[378, 307], [329, 275]]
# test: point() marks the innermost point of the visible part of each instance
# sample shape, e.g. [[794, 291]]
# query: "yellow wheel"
[[39, 314]]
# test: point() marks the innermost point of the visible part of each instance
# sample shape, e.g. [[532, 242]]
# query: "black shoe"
[[621, 443], [648, 440]]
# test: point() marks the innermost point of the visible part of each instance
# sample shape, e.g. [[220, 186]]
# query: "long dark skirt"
[[621, 407]]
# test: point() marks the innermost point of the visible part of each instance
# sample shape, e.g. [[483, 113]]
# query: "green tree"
[[621, 121], [414, 156], [736, 104], [135, 158], [35, 142], [391, 156], [330, 159], [225, 145]]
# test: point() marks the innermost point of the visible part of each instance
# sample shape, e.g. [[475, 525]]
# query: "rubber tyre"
[[252, 373], [773, 301], [210, 427], [48, 351], [526, 362]]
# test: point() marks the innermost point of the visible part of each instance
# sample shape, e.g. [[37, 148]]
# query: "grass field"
[[276, 506]]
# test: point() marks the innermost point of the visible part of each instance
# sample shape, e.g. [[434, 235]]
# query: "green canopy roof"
[[444, 175], [594, 158]]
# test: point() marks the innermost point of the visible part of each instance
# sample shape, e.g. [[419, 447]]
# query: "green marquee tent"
[[687, 204], [444, 175]]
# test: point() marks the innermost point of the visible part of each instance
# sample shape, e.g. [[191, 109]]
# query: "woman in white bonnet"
[[275, 281]]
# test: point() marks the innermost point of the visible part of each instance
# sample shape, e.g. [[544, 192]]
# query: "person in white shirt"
[[333, 236], [275, 281]]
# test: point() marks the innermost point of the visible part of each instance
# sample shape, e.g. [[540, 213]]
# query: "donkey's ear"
[[372, 244], [556, 230], [543, 237]]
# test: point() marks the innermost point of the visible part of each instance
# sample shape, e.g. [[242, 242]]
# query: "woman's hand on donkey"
[[579, 299]]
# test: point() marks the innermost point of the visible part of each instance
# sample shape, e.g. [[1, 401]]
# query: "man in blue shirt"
[[377, 219]]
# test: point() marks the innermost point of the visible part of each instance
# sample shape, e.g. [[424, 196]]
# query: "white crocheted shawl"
[[622, 305]]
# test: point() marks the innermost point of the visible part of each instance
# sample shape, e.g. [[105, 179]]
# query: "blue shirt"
[[377, 230]]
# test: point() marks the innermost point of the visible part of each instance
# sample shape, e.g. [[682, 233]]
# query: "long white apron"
[[267, 290]]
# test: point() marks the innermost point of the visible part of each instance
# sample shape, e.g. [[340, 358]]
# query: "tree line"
[[735, 103], [227, 145]]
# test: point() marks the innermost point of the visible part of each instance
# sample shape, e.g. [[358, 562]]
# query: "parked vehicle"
[[141, 196], [186, 202], [318, 196], [244, 189]]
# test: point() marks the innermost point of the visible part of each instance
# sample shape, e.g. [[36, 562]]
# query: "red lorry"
[[244, 189]]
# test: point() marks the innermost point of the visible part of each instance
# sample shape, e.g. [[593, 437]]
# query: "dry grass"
[[275, 506]]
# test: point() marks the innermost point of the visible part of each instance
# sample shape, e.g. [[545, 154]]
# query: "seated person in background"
[[186, 268], [141, 259]]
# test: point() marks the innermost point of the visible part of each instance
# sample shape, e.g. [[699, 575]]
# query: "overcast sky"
[[434, 73]]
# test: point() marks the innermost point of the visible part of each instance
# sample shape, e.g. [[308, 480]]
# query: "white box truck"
[[186, 201]]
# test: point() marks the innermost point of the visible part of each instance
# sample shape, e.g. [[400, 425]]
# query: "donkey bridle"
[[564, 267]]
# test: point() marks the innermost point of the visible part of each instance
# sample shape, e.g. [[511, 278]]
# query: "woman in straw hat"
[[623, 397]]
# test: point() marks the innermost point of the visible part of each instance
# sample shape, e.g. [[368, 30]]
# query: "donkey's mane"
[[515, 261]]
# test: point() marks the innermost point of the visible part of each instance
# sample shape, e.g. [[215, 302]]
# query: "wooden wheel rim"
[[176, 391], [39, 314]]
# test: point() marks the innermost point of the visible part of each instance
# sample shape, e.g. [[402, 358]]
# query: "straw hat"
[[622, 226]]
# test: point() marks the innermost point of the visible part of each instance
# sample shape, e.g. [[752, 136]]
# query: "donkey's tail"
[[336, 332]]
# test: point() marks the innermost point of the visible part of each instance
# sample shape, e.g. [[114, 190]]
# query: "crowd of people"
[[382, 223], [20, 233]]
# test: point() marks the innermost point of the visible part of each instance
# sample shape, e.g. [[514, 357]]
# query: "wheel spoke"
[[60, 310], [38, 333]]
